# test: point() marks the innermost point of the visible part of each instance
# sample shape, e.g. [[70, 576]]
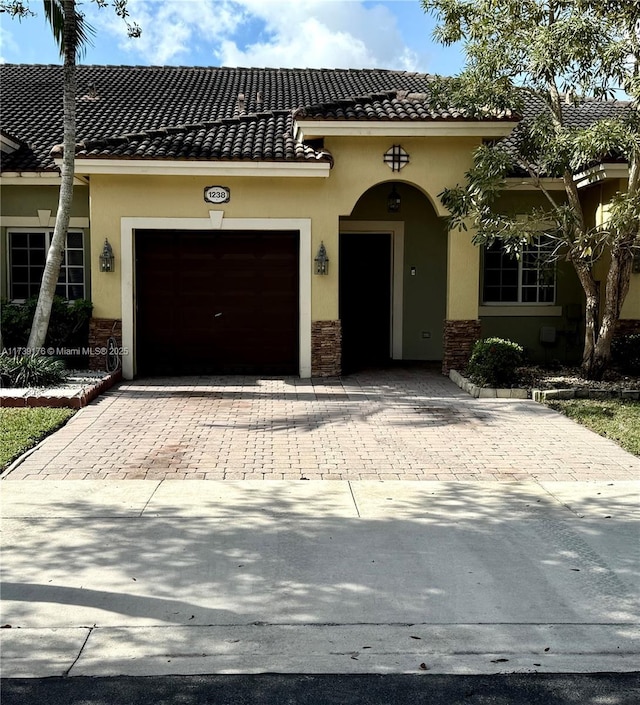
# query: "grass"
[[616, 419], [21, 429]]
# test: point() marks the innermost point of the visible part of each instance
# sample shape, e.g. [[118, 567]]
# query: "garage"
[[215, 302]]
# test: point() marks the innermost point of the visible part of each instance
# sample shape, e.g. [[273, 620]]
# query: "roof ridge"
[[347, 100], [171, 67]]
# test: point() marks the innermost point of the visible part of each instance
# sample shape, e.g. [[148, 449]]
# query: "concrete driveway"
[[400, 424]]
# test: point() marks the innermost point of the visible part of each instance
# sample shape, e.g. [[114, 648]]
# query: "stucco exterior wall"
[[524, 323], [424, 265], [631, 306], [597, 199], [115, 197], [27, 200], [434, 164], [23, 203]]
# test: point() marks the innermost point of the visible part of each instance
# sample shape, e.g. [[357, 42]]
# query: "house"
[[282, 221]]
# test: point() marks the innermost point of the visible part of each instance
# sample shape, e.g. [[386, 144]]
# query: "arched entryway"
[[392, 282]]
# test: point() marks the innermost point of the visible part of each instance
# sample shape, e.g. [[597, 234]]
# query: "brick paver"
[[407, 424]]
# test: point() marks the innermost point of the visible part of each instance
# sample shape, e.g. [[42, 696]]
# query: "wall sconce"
[[393, 201], [107, 260], [322, 261]]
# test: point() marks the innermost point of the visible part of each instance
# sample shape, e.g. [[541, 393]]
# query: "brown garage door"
[[216, 302]]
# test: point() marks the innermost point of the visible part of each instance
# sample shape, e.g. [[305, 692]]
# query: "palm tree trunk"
[[51, 273]]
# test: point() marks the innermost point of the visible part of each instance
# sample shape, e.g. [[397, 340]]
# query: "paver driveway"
[[407, 424]]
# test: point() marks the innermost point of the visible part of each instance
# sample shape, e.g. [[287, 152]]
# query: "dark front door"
[[216, 302], [365, 300]]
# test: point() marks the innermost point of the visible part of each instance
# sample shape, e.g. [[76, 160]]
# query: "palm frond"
[[84, 32]]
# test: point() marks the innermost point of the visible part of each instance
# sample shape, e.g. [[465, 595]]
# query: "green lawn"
[[615, 419], [21, 429]]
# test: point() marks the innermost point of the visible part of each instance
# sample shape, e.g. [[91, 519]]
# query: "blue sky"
[[395, 34]]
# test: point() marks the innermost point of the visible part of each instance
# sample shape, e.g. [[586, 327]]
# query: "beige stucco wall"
[[631, 306], [463, 277], [114, 197], [434, 164], [597, 199]]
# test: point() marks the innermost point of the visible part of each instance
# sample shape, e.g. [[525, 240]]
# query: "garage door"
[[216, 302]]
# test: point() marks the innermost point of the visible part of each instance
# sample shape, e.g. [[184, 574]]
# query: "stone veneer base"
[[326, 348], [459, 337], [100, 330]]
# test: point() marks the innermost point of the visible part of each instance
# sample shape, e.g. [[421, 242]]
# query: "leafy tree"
[[544, 59], [72, 34]]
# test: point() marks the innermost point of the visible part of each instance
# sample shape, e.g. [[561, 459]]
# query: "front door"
[[365, 300]]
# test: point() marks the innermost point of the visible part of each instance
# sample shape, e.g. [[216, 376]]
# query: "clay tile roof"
[[265, 137], [155, 112], [390, 105], [116, 101], [580, 115]]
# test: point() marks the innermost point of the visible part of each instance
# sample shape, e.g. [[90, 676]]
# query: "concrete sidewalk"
[[154, 578]]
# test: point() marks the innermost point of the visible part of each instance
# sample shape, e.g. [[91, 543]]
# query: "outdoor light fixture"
[[322, 261], [393, 201], [396, 158], [107, 260]]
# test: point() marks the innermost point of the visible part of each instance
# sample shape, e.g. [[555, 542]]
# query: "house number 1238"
[[217, 194]]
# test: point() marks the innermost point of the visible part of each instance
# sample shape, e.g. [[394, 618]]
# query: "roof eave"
[[167, 167], [602, 172], [36, 178], [8, 144], [309, 129], [522, 183], [599, 172]]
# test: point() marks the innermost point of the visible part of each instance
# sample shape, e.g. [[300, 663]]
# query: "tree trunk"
[[592, 311], [617, 287], [51, 273]]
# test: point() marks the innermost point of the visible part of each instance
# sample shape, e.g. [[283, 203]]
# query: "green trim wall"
[[25, 202], [526, 330], [425, 249]]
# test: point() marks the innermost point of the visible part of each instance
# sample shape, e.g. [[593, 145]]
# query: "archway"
[[392, 279]]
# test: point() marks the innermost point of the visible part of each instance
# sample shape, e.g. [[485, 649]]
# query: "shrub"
[[68, 326], [625, 353], [494, 361], [30, 371]]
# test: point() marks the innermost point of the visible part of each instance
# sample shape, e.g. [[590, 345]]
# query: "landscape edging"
[[78, 400], [541, 395]]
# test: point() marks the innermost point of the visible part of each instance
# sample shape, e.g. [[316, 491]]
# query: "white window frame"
[[48, 234], [521, 286]]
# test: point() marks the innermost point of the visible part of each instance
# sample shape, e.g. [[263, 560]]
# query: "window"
[[27, 255], [531, 279]]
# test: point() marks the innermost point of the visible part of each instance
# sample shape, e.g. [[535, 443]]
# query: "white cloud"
[[170, 28], [8, 43], [316, 33], [287, 33]]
